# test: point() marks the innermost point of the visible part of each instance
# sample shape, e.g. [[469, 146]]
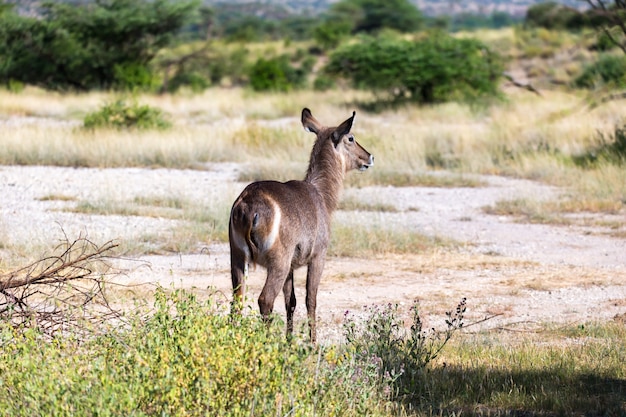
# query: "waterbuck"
[[283, 226]]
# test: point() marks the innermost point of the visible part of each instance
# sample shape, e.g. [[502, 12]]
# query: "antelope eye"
[[351, 138]]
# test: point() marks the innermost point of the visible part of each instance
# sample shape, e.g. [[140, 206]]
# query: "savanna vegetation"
[[125, 83]]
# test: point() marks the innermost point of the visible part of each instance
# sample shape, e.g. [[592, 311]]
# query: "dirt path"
[[522, 274]]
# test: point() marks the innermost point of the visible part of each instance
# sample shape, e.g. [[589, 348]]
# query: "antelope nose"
[[371, 160]]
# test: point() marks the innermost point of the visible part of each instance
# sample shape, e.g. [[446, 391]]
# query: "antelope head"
[[348, 150]]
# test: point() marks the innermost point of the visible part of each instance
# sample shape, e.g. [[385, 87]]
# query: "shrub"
[[399, 355], [610, 149], [133, 76], [90, 45], [186, 358], [434, 69], [195, 81], [120, 115], [323, 83], [375, 15], [551, 15], [609, 69], [278, 74], [329, 34]]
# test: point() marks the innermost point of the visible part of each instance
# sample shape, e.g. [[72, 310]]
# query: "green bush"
[[551, 15], [187, 358], [608, 69], [329, 34], [93, 45], [196, 81], [434, 69], [278, 74], [400, 356], [323, 83], [372, 16], [611, 148], [133, 76], [120, 115]]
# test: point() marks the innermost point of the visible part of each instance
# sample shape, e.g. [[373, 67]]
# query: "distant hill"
[[512, 7], [428, 7]]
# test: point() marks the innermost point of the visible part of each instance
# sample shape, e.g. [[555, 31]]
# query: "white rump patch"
[[271, 238], [240, 242]]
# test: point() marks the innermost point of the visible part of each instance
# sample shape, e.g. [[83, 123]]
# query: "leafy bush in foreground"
[[120, 115], [402, 355], [188, 358]]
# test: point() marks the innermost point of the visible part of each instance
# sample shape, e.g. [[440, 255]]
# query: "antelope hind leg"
[[239, 275], [290, 301]]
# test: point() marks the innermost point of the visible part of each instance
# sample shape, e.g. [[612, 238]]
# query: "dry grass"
[[525, 136]]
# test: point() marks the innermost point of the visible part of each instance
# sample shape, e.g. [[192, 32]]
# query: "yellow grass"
[[525, 136]]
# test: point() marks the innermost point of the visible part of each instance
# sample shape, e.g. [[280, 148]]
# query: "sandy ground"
[[519, 276]]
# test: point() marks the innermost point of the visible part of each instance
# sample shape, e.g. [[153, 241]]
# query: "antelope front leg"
[[290, 302], [313, 277]]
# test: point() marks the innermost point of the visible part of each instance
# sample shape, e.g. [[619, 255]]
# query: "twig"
[[62, 291], [526, 86]]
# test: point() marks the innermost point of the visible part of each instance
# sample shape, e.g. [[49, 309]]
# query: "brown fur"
[[283, 226]]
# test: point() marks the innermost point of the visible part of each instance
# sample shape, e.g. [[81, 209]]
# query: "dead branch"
[[61, 291], [526, 86]]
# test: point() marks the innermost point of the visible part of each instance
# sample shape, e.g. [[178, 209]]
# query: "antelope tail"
[[251, 245]]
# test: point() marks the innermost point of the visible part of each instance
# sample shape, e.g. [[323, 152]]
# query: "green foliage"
[[610, 149], [132, 76], [187, 358], [551, 15], [278, 74], [329, 34], [400, 355], [608, 69], [86, 46], [373, 15], [120, 115], [323, 83], [434, 69], [471, 21]]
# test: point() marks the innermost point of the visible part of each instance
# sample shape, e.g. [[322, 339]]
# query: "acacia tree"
[[611, 20], [433, 69], [103, 44]]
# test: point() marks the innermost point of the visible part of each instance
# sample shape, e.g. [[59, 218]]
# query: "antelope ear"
[[309, 122], [343, 129]]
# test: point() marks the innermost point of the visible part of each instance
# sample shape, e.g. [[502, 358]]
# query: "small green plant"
[[133, 76], [609, 148], [120, 115], [400, 355]]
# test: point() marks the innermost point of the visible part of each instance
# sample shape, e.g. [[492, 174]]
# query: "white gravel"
[[585, 269]]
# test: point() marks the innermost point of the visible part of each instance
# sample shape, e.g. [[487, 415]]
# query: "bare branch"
[[526, 86], [60, 292]]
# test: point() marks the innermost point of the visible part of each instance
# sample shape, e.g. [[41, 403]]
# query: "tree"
[[105, 44], [610, 19], [551, 15], [372, 15], [434, 69]]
